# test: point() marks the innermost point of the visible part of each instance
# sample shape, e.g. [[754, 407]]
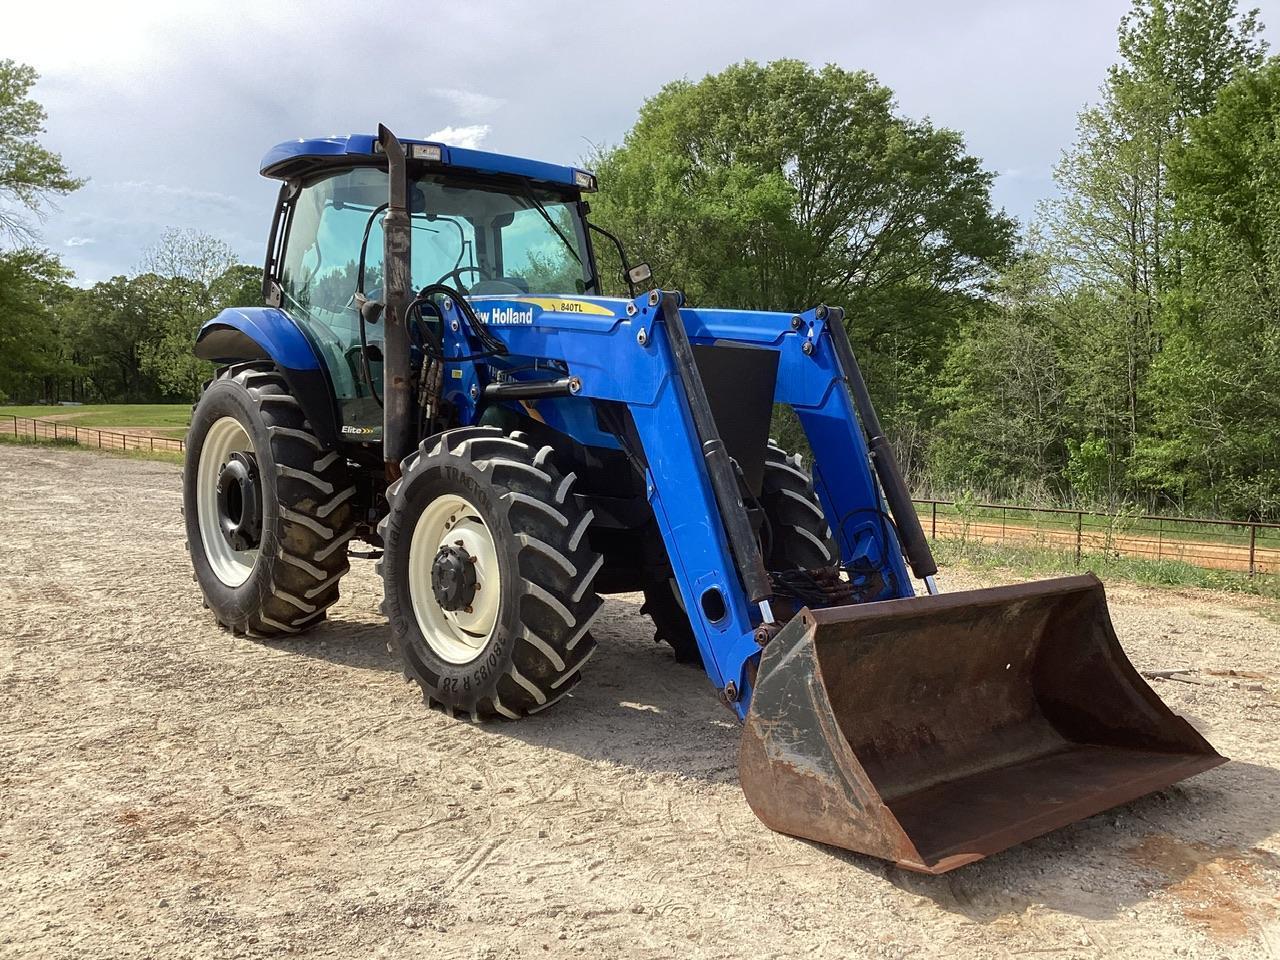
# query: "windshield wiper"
[[528, 192]]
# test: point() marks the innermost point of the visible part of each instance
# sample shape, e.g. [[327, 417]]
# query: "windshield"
[[482, 238], [512, 238]]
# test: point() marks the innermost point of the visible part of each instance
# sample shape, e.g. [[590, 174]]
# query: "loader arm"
[[625, 351]]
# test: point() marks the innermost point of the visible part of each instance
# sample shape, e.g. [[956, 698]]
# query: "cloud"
[[470, 137], [181, 194], [78, 241], [469, 103]]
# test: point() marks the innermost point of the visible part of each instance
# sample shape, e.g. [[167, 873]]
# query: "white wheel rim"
[[456, 636], [225, 437]]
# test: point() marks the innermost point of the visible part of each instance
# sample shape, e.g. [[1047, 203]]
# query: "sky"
[[168, 107]]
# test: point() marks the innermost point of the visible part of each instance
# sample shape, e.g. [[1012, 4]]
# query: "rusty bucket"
[[936, 731]]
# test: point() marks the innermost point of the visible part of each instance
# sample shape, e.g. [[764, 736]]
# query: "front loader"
[[437, 374]]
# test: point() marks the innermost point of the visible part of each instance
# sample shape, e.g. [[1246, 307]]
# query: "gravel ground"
[[167, 789]]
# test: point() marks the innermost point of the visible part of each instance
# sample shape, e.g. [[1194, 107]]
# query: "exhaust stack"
[[397, 421]]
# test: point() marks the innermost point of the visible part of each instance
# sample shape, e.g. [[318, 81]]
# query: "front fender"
[[241, 334]]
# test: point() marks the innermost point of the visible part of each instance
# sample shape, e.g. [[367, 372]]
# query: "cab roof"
[[301, 158]]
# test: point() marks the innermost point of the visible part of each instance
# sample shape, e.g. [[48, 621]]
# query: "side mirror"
[[640, 273], [371, 311]]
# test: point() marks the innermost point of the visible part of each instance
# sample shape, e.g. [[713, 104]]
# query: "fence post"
[[153, 444], [1160, 538], [1079, 531], [1253, 547], [934, 530]]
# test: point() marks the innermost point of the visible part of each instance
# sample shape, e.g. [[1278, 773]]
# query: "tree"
[[1215, 388], [29, 173], [1003, 395], [187, 275], [30, 281], [1114, 227], [778, 187], [32, 358]]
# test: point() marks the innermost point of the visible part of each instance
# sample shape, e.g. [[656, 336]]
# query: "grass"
[[165, 419], [63, 443], [1157, 573]]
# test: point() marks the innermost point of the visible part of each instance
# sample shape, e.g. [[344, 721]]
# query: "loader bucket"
[[936, 731]]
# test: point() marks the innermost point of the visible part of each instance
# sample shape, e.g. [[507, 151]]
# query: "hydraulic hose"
[[914, 545]]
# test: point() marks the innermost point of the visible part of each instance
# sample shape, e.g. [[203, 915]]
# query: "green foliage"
[[1088, 468], [1130, 354], [126, 339], [1115, 228], [190, 277], [1215, 388], [1001, 395], [29, 173], [30, 289], [778, 187]]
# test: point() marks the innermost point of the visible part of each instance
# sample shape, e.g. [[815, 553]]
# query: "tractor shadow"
[[639, 708], [634, 706], [1197, 842]]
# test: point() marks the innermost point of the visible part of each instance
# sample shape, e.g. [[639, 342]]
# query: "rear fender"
[[242, 334]]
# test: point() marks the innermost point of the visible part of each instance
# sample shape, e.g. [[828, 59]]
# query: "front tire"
[[268, 511], [488, 574]]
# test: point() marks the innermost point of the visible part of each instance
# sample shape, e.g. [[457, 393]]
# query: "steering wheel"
[[456, 275]]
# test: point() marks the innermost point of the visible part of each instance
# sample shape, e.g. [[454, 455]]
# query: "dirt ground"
[[169, 790]]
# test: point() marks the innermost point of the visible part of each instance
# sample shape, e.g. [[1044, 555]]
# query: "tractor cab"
[[483, 223]]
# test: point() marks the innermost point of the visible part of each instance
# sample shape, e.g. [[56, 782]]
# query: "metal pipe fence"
[[1244, 546], [54, 431], [1239, 545]]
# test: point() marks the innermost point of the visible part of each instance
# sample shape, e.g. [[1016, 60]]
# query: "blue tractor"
[[438, 375]]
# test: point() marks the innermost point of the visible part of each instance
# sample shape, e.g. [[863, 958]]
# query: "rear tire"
[[288, 578], [798, 537], [670, 621], [477, 499]]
